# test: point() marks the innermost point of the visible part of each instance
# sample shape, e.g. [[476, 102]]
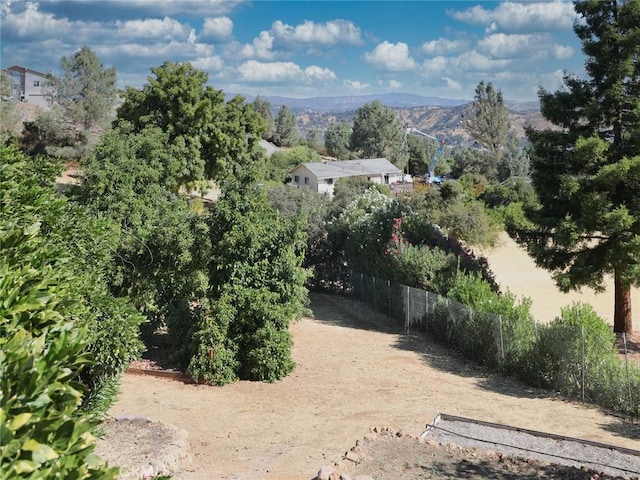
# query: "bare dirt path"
[[352, 374]]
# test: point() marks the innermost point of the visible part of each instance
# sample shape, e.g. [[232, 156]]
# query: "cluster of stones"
[[355, 455]]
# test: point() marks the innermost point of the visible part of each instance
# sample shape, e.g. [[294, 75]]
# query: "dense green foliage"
[[489, 123], [65, 338], [262, 107], [286, 128], [43, 348], [10, 125], [29, 198], [208, 136], [226, 279], [86, 91], [281, 163], [377, 132], [82, 101], [337, 138], [576, 355], [500, 155], [586, 173], [256, 288]]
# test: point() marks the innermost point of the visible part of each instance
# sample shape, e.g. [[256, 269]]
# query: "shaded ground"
[[353, 373]]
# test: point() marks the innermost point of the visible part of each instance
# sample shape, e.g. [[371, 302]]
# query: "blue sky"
[[309, 48]]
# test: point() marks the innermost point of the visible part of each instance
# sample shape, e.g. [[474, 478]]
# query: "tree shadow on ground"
[[504, 471], [352, 313], [623, 428]]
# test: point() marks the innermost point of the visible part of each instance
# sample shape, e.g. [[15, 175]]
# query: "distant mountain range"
[[441, 117], [347, 103]]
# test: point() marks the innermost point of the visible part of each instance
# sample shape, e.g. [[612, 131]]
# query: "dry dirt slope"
[[352, 374]]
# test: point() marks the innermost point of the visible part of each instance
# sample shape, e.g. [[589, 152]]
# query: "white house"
[[321, 176], [27, 85]]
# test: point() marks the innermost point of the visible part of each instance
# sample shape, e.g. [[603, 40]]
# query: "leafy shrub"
[[256, 290], [575, 344], [80, 245], [43, 347], [502, 330]]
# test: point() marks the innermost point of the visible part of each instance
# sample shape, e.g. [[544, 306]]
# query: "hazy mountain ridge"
[[441, 117], [347, 103]]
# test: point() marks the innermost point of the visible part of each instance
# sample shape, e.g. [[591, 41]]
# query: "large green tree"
[[286, 128], [208, 135], [336, 139], [262, 106], [489, 125], [378, 132], [241, 329], [587, 173], [86, 91]]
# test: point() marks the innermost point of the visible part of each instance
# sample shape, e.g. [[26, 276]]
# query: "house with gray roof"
[[321, 176]]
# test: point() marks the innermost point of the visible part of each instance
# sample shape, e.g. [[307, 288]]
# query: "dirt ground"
[[516, 272], [352, 375]]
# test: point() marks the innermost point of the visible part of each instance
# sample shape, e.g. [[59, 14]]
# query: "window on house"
[[329, 181], [386, 179], [36, 83], [306, 180], [296, 178]]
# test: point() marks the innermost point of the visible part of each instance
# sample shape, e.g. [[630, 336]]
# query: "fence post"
[[584, 359], [501, 338], [626, 362], [426, 313], [374, 292], [389, 295], [406, 321]]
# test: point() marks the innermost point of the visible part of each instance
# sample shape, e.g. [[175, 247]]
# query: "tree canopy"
[[286, 128], [336, 139], [377, 132], [210, 138], [587, 174]]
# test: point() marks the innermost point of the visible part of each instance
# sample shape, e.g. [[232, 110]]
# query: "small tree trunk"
[[622, 320]]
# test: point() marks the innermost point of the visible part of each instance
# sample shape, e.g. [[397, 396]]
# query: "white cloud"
[[391, 57], [561, 52], [356, 85], [254, 71], [261, 47], [500, 45], [452, 84], [32, 23], [153, 29], [434, 66], [474, 61], [334, 32], [202, 8], [442, 46], [519, 17], [217, 29], [318, 73], [208, 64], [394, 84]]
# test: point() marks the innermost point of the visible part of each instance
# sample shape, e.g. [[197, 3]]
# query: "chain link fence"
[[568, 359]]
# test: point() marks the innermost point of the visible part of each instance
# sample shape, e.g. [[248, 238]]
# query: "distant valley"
[[440, 117]]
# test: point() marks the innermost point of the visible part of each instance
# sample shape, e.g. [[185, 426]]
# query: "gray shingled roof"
[[352, 168]]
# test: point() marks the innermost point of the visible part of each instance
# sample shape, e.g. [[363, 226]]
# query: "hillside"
[[436, 120]]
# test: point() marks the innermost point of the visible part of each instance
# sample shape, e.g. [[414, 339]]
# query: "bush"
[[73, 242], [501, 331], [43, 347], [576, 344]]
